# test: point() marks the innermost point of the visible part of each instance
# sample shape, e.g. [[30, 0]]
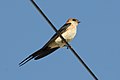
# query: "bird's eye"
[[74, 19]]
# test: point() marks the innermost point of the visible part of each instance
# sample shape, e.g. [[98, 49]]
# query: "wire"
[[79, 58]]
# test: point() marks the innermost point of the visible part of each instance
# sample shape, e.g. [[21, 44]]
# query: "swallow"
[[68, 32]]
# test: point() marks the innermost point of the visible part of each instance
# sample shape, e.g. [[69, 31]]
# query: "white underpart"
[[68, 36]]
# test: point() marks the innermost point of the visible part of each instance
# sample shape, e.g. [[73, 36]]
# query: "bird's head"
[[73, 21]]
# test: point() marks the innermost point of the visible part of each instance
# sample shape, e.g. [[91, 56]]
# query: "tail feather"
[[30, 57], [26, 60], [37, 55]]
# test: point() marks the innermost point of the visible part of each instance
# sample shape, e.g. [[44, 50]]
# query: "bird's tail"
[[37, 55], [30, 57]]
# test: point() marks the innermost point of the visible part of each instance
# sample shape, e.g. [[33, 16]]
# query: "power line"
[[74, 52]]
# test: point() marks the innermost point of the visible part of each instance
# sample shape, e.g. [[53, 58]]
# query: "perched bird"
[[68, 31]]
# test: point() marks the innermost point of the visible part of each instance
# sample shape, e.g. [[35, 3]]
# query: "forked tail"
[[30, 57], [38, 54]]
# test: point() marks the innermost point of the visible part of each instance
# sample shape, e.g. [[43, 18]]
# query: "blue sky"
[[23, 30]]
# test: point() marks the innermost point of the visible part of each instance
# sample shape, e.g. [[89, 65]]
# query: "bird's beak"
[[78, 21]]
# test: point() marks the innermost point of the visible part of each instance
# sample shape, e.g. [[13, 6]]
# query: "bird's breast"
[[68, 36]]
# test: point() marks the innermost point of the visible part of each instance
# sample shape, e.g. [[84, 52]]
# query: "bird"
[[67, 31]]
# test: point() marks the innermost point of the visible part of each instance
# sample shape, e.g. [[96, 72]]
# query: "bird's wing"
[[61, 30], [45, 50]]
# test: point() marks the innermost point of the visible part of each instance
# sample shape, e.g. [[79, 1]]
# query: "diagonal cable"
[[79, 58]]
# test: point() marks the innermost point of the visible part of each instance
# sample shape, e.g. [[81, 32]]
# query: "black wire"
[[88, 69]]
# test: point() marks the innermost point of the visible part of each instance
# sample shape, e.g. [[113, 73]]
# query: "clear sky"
[[23, 31]]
